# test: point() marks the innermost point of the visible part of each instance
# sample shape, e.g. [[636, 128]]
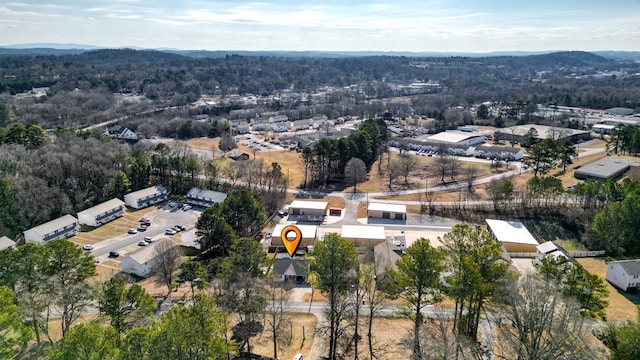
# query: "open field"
[[298, 331], [620, 307]]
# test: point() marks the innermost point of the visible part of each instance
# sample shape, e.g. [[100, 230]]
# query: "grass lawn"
[[621, 307], [115, 228]]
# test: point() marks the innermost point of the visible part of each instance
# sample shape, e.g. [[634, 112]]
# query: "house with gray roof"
[[102, 213], [202, 197], [146, 197], [61, 228], [624, 274], [292, 269]]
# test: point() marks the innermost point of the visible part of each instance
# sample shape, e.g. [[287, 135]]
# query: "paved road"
[[160, 221]]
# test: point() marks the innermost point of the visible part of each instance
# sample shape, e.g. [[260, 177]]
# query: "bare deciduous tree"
[[407, 164], [167, 262], [538, 322]]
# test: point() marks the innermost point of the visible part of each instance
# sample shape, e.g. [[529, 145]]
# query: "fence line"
[[575, 254]]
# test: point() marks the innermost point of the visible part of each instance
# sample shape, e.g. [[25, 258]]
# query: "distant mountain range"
[[69, 49]]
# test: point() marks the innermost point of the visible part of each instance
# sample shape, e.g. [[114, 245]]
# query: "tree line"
[[326, 159], [468, 269]]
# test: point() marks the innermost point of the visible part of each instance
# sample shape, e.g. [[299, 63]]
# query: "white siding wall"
[[617, 276]]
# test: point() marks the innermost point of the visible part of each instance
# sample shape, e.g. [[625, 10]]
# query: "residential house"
[[146, 197], [293, 270], [61, 228], [102, 213], [204, 198], [624, 274], [121, 133], [237, 155], [143, 261]]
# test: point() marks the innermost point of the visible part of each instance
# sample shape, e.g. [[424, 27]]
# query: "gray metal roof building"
[[609, 167]]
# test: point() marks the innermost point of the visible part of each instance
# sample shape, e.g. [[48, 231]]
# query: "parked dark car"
[[114, 254]]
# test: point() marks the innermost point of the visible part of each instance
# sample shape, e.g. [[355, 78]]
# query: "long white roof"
[[148, 191], [149, 252], [102, 208], [511, 231], [452, 136], [396, 208], [315, 205], [54, 225], [363, 232], [308, 231]]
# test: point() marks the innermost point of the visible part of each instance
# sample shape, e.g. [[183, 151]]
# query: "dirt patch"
[[620, 307], [298, 331]]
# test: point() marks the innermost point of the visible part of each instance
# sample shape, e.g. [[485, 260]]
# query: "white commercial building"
[[513, 235], [308, 233], [624, 274], [363, 235], [387, 211], [102, 213], [301, 207], [143, 261], [146, 197], [60, 228], [457, 137]]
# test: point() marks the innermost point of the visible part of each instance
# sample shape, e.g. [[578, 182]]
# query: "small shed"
[[363, 235], [549, 248], [387, 211], [301, 207], [61, 228], [308, 235], [624, 274], [102, 213], [143, 261], [146, 197], [294, 270], [237, 155], [6, 243], [513, 235]]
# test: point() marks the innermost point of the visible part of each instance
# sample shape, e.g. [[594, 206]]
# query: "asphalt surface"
[[160, 221]]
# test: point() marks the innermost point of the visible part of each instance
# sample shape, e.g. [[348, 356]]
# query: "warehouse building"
[[457, 137], [146, 197], [363, 235], [513, 236], [609, 167], [315, 208], [102, 213], [308, 235], [61, 228], [387, 211], [517, 133]]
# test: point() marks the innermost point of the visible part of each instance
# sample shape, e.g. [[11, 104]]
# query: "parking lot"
[[115, 236]]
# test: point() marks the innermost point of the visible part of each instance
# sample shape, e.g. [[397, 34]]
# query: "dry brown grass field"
[[299, 331], [620, 308]]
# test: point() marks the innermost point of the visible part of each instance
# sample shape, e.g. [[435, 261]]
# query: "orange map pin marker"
[[291, 244]]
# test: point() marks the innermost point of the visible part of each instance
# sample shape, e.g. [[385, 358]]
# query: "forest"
[[82, 88]]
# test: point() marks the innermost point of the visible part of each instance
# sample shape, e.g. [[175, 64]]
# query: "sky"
[[327, 25]]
